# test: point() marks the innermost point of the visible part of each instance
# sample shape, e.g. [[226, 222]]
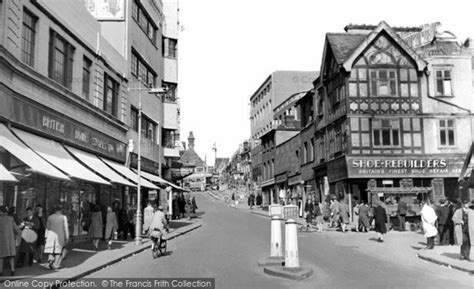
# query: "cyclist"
[[158, 225]]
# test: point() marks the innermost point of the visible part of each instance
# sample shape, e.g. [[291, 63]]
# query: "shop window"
[[28, 37], [446, 133], [383, 82], [443, 82], [386, 133], [61, 56]]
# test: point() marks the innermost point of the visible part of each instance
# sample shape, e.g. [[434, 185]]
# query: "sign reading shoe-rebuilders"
[[420, 166]]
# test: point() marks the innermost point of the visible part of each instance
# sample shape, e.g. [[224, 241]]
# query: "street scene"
[[236, 144]]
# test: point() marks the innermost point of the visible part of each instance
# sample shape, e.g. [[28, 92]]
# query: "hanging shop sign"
[[54, 124], [411, 167]]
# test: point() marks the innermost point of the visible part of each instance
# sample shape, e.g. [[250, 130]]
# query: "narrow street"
[[231, 241]]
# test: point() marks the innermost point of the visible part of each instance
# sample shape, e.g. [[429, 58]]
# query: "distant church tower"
[[191, 141]]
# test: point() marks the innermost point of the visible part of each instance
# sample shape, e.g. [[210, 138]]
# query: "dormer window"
[[443, 82]]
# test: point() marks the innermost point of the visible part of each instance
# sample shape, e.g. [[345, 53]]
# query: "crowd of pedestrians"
[[183, 206]]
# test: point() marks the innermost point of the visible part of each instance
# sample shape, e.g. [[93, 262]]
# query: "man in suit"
[[442, 211]]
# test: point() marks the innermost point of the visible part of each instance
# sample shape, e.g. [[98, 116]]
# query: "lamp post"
[[138, 225]]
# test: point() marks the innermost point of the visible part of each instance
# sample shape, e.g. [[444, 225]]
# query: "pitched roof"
[[190, 157], [344, 44]]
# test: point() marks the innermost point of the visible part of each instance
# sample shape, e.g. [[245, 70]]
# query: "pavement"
[[82, 260], [447, 256]]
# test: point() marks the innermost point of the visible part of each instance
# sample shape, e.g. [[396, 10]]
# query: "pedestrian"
[[344, 211], [457, 221], [380, 215], [96, 226], [57, 236], [259, 199], [318, 213], [428, 217], [309, 209], [364, 216], [402, 209], [29, 227], [194, 205], [467, 225], [233, 200], [9, 231], [129, 216], [41, 240], [450, 223], [189, 206], [111, 226], [442, 212], [147, 216], [356, 215], [175, 205], [335, 212]]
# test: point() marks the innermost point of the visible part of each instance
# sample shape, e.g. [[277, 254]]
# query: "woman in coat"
[[111, 226], [9, 231], [344, 210], [96, 227], [364, 218], [309, 210], [41, 240], [28, 247], [380, 216], [457, 220], [57, 236]]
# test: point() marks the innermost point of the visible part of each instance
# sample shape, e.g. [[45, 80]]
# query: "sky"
[[227, 48]]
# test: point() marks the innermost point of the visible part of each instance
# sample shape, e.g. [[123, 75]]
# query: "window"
[[311, 150], [111, 90], [408, 83], [386, 133], [170, 47], [141, 70], [170, 89], [134, 118], [305, 153], [28, 38], [383, 82], [446, 132], [148, 128], [61, 56], [144, 21], [443, 82], [86, 77]]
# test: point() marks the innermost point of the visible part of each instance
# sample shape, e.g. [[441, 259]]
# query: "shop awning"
[[158, 179], [37, 164], [55, 153], [129, 174], [6, 176], [100, 167]]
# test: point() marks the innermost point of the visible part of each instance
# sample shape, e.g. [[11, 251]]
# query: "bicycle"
[[159, 244]]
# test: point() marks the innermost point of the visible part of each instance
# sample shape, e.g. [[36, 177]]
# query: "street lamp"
[[138, 225]]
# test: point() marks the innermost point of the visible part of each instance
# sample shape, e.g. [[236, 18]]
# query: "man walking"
[[401, 213], [428, 217]]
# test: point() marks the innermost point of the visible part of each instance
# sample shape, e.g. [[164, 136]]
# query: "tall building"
[[268, 109], [64, 110], [393, 110]]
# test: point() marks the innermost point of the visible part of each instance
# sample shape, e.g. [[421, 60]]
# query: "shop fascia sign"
[[406, 167]]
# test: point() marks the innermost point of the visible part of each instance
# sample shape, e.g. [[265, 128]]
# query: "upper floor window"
[[28, 38], [446, 132], [140, 69], [305, 152], [443, 82], [86, 77], [111, 92], [144, 21], [170, 47], [383, 82], [311, 150], [134, 118], [61, 58], [148, 128], [386, 133], [170, 89]]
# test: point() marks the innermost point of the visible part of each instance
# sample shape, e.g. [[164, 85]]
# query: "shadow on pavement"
[[417, 248], [178, 224], [451, 255]]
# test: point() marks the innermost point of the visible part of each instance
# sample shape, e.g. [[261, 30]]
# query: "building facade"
[[391, 112], [63, 94]]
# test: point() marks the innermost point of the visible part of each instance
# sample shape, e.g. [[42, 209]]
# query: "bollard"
[[276, 239], [291, 245]]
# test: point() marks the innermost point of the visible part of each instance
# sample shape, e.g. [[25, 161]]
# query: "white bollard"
[[276, 239], [292, 259]]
